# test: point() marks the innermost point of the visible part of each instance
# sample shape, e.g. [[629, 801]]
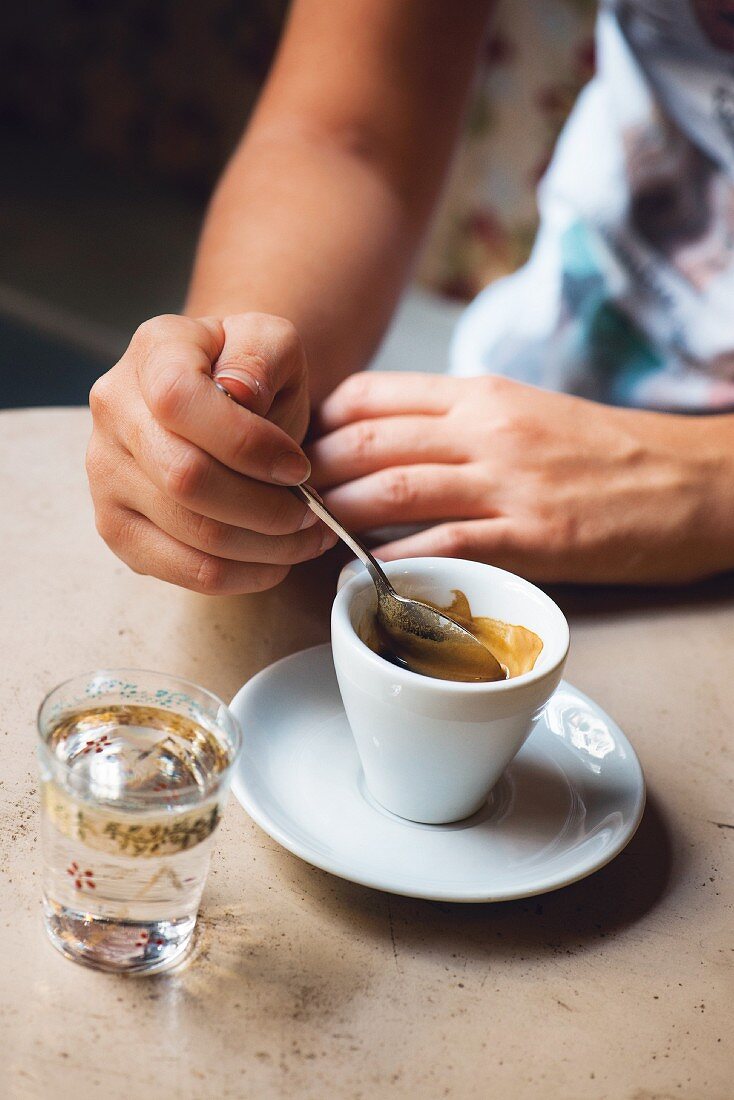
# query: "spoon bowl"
[[421, 637]]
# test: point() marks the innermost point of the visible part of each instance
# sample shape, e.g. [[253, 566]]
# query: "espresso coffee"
[[515, 647]]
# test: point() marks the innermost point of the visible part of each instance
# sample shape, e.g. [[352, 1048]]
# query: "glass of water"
[[135, 770]]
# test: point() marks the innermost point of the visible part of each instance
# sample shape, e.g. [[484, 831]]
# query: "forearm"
[[306, 230], [321, 210]]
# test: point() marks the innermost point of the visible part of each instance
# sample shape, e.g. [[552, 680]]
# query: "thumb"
[[262, 356]]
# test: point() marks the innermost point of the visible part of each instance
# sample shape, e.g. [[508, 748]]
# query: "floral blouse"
[[628, 293]]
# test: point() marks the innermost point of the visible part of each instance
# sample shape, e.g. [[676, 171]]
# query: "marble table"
[[302, 985]]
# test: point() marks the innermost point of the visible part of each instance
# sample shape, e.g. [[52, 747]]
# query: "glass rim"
[[233, 731]]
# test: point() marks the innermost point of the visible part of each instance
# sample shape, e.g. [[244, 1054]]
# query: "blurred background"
[[116, 119]]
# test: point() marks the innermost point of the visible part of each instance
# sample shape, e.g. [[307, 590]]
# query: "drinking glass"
[[135, 771]]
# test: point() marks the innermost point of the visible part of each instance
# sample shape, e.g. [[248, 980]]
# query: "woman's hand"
[[187, 485], [548, 485]]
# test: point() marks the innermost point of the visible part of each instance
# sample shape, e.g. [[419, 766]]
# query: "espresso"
[[515, 647]]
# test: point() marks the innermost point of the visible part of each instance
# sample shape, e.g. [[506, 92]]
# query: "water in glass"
[[131, 796]]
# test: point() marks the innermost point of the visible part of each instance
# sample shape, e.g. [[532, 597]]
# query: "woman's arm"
[[319, 214], [308, 241]]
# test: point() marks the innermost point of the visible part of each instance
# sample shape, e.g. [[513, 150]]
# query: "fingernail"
[[291, 469], [236, 374], [308, 520]]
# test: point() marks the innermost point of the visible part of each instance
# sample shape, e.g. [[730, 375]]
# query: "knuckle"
[[398, 489], [558, 533], [213, 576], [155, 329], [518, 426], [100, 396], [186, 475], [170, 395], [113, 526], [454, 540], [530, 429], [350, 399], [354, 391], [210, 575], [495, 389], [211, 536], [363, 443], [491, 383]]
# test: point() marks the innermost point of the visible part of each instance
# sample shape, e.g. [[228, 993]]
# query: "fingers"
[[263, 366], [147, 549], [222, 540], [517, 546], [171, 356], [495, 541], [194, 480], [359, 449], [410, 494], [185, 481], [374, 393]]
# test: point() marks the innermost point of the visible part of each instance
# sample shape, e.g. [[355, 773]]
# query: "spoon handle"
[[316, 504]]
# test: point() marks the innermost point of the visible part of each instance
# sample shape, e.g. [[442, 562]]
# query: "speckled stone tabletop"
[[302, 985]]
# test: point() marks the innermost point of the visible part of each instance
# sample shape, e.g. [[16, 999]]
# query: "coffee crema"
[[515, 647]]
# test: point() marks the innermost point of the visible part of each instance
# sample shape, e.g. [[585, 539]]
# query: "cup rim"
[[403, 676]]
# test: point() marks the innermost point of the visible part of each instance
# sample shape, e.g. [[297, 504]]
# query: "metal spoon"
[[423, 638]]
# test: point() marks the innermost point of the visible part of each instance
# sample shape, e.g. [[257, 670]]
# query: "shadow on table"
[[561, 922], [243, 965], [597, 600]]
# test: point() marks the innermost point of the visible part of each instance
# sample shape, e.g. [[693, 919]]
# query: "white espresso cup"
[[431, 749]]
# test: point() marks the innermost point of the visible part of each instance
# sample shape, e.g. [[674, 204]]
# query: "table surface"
[[303, 985]]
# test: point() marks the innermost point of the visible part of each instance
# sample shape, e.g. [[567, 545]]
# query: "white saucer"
[[568, 803]]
